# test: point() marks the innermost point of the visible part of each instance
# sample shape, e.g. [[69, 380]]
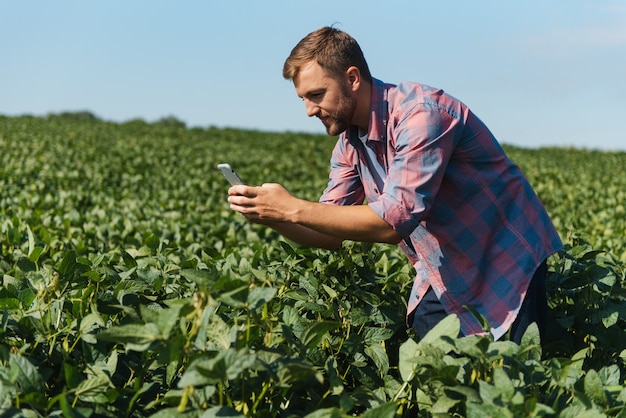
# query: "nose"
[[311, 108]]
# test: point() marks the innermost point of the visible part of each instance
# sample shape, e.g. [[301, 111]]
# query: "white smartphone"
[[230, 174]]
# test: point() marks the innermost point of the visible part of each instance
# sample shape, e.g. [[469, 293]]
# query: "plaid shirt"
[[471, 224]]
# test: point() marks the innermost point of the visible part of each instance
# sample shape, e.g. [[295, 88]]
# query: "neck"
[[364, 102]]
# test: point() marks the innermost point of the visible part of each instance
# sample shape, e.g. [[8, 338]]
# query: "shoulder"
[[408, 97], [413, 92]]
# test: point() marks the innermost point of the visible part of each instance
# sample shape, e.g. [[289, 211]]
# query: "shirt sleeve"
[[422, 143], [344, 185]]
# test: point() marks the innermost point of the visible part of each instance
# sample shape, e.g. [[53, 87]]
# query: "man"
[[436, 182]]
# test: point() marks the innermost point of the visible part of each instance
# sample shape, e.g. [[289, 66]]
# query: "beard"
[[340, 120]]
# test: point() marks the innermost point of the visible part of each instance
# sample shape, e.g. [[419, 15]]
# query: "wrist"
[[295, 215]]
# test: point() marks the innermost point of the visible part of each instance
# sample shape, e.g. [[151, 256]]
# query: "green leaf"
[[441, 334], [68, 264], [594, 388], [443, 405], [221, 412], [175, 413], [288, 249], [72, 375], [225, 365], [26, 374], [610, 375], [330, 291], [326, 413], [532, 339], [611, 319], [26, 265], [386, 410], [35, 253], [503, 349], [134, 336], [237, 298], [466, 392], [165, 319], [296, 295], [129, 260], [377, 353], [293, 372], [314, 333], [409, 351], [219, 332], [335, 382], [152, 242], [482, 410], [92, 389], [373, 335], [200, 277], [259, 296], [7, 301], [26, 297], [89, 323], [504, 384]]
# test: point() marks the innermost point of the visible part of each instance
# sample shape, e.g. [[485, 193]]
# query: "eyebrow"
[[313, 92]]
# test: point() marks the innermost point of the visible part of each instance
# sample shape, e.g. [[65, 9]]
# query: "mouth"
[[324, 119]]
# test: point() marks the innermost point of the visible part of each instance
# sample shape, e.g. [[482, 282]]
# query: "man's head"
[[334, 50], [330, 74]]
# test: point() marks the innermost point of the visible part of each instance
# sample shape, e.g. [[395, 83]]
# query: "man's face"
[[329, 99]]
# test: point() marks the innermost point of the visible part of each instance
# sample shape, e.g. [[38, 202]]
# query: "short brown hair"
[[333, 49]]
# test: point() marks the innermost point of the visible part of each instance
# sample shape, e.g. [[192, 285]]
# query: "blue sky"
[[537, 72]]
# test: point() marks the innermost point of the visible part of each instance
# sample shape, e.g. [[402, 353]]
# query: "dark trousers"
[[534, 309]]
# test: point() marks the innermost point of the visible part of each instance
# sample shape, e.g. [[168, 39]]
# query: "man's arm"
[[272, 205], [305, 236]]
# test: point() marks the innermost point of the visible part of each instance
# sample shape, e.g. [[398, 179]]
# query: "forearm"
[[305, 236], [310, 223], [355, 223]]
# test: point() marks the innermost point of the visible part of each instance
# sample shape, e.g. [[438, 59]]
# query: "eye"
[[316, 96]]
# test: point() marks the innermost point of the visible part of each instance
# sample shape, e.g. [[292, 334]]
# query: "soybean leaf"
[[259, 296], [315, 332], [221, 412], [295, 371], [594, 388], [68, 264], [409, 351], [449, 327], [377, 353], [89, 323], [225, 365], [92, 389], [135, 337], [26, 374], [386, 410]]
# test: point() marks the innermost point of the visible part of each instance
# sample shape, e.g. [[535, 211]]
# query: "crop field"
[[130, 289]]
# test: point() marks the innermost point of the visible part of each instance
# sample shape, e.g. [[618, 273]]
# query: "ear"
[[353, 77]]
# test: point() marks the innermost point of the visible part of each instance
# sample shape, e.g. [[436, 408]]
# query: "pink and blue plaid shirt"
[[471, 224]]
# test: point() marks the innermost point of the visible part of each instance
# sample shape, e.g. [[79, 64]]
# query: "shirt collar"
[[378, 115]]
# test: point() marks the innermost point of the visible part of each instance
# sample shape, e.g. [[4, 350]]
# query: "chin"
[[330, 131], [335, 129]]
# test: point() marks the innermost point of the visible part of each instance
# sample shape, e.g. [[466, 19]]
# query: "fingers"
[[257, 204], [242, 190], [239, 202]]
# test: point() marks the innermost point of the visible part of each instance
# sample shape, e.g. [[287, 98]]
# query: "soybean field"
[[129, 288]]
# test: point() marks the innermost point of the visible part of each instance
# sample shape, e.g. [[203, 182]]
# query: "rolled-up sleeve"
[[421, 144], [344, 184]]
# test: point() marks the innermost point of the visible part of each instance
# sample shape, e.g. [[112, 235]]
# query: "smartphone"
[[230, 174]]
